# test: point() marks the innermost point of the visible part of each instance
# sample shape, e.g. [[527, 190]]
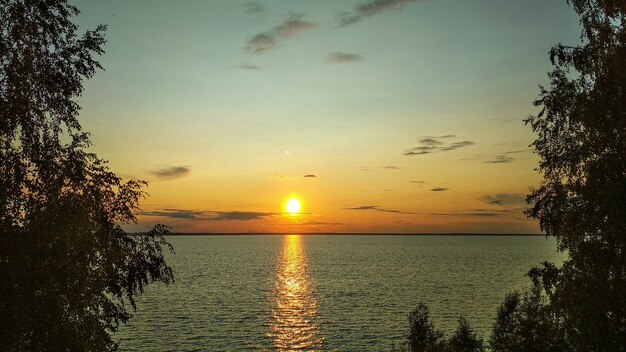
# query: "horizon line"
[[348, 234]]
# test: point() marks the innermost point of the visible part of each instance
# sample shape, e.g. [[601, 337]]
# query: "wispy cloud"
[[310, 176], [369, 9], [254, 7], [438, 189], [314, 223], [207, 215], [377, 208], [175, 213], [172, 172], [478, 214], [507, 119], [434, 144], [504, 199], [390, 167], [268, 40], [500, 159], [457, 145], [343, 58], [248, 67], [419, 182]]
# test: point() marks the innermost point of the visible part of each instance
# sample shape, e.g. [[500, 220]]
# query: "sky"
[[381, 116]]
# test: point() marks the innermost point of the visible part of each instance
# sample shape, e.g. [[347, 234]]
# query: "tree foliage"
[[525, 323], [424, 337], [581, 201], [69, 273], [464, 339]]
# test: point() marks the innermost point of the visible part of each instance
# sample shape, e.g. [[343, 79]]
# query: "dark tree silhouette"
[[525, 323], [582, 199], [424, 337], [464, 339], [68, 271]]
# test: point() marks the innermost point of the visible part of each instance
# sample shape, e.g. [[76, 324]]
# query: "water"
[[325, 292]]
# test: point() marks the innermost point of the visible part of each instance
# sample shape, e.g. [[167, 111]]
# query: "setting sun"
[[293, 206]]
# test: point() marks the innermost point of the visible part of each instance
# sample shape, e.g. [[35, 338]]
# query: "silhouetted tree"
[[525, 323], [424, 337], [582, 199], [464, 339], [68, 271]]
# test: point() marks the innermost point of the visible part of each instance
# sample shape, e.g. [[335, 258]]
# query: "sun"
[[293, 206]]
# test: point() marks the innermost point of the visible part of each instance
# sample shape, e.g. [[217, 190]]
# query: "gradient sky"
[[405, 115]]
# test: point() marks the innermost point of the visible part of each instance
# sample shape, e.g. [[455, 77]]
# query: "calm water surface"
[[325, 292]]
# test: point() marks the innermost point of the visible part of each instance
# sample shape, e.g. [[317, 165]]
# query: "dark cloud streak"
[[208, 215], [433, 144], [505, 199], [173, 172], [267, 41], [343, 58], [377, 208], [500, 159], [369, 9], [248, 67]]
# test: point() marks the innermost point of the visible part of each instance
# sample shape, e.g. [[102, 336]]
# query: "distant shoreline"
[[351, 234]]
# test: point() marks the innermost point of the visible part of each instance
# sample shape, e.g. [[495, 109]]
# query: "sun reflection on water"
[[294, 313]]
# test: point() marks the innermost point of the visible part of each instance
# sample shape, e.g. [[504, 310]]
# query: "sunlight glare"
[[293, 206]]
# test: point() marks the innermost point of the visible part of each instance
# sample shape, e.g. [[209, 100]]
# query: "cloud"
[[377, 208], [457, 145], [208, 215], [314, 223], [390, 167], [267, 41], [369, 9], [310, 176], [431, 141], [173, 172], [252, 8], [343, 58], [438, 189], [504, 199], [478, 214], [174, 213], [364, 207], [238, 215], [419, 182], [433, 144], [248, 67], [506, 119], [500, 159]]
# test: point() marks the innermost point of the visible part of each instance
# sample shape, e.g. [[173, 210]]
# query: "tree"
[[424, 337], [464, 339], [525, 323], [581, 201], [69, 273]]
